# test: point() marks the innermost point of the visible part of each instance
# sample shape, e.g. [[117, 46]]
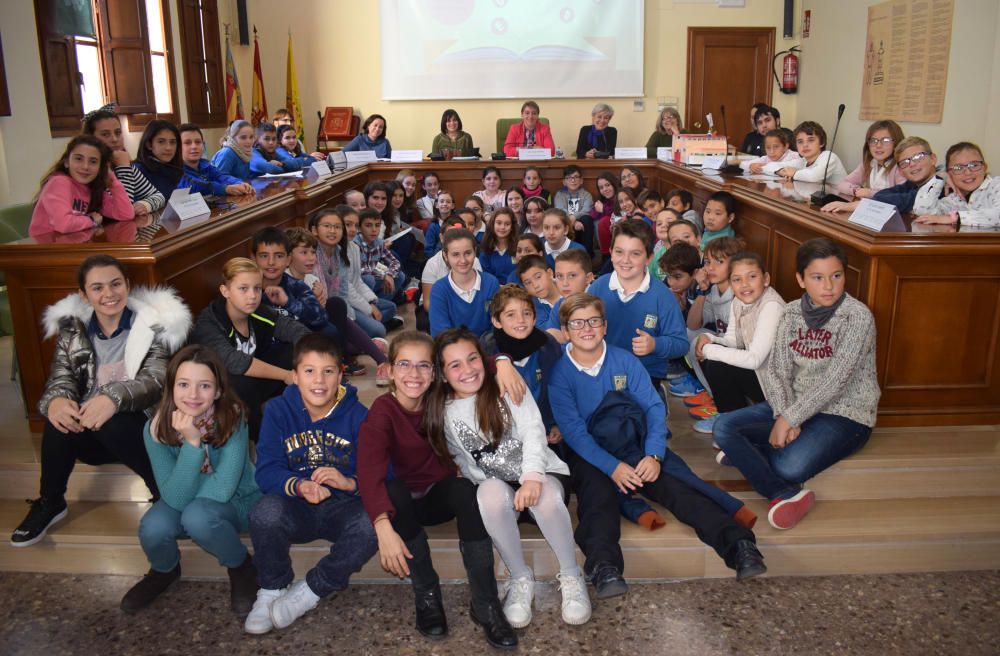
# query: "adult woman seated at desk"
[[668, 126], [529, 133], [597, 137], [452, 140], [372, 137]]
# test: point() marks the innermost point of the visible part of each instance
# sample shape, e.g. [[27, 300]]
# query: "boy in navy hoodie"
[[306, 461]]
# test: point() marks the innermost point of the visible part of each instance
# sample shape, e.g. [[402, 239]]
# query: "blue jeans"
[[371, 326], [277, 522], [377, 285], [779, 473], [214, 526]]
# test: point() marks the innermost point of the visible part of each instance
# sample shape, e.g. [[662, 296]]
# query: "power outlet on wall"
[[638, 105]]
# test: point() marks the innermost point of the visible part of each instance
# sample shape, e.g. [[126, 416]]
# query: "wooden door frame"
[[694, 32]]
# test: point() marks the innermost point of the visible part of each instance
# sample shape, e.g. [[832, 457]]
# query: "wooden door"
[[728, 66]]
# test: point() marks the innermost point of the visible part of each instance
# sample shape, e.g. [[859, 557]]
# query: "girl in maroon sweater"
[[424, 491]]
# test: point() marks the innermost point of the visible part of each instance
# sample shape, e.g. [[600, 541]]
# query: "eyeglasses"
[[885, 141], [578, 324], [913, 159], [628, 175], [971, 167], [423, 369], [330, 226], [574, 177]]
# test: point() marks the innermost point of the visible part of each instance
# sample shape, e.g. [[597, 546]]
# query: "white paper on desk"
[[288, 174], [318, 170], [359, 157], [873, 214], [714, 162], [534, 153], [407, 156], [184, 206], [665, 154], [389, 240], [631, 153]]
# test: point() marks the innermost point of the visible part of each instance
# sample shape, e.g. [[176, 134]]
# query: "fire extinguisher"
[[789, 81]]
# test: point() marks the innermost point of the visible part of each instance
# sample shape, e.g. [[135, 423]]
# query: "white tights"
[[496, 505]]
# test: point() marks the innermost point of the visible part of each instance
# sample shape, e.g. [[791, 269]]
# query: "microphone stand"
[[733, 169], [822, 197]]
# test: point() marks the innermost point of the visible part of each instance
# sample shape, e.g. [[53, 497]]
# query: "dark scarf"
[[597, 139], [816, 316], [519, 349]]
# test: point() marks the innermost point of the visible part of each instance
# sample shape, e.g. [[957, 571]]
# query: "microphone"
[[822, 197], [728, 168]]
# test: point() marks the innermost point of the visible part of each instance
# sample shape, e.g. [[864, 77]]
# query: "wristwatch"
[[658, 459]]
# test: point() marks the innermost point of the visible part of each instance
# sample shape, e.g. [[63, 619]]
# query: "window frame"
[[205, 94], [138, 122]]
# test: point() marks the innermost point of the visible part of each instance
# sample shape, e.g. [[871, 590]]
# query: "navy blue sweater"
[[450, 311], [206, 179]]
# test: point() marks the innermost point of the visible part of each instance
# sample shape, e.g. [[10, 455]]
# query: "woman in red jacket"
[[529, 133]]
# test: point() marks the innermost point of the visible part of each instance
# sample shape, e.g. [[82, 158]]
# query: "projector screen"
[[456, 49]]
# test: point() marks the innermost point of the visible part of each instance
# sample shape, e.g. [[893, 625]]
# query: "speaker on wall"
[[241, 18], [789, 18]]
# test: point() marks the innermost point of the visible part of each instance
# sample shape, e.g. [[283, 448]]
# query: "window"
[[203, 80], [119, 52]]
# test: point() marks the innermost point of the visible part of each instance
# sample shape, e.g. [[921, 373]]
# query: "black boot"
[[486, 610], [243, 586], [746, 559], [148, 589], [431, 621]]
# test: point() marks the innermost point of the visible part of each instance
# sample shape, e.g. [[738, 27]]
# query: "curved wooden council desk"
[[935, 294]]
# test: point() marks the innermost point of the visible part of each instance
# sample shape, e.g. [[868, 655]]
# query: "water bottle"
[[559, 153]]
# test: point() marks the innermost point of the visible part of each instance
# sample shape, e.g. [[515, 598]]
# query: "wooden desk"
[[935, 295]]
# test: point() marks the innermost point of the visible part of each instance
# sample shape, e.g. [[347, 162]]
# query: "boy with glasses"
[[577, 202]]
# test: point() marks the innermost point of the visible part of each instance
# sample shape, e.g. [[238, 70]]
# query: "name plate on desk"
[[714, 162], [873, 214], [665, 154], [534, 153], [359, 157], [183, 206], [631, 153], [318, 170], [407, 156]]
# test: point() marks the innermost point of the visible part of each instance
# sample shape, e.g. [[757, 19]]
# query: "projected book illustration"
[[539, 53]]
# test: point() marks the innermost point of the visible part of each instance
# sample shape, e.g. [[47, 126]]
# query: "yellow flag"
[[292, 92]]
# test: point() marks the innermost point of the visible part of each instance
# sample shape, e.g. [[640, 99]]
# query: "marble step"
[[838, 537]]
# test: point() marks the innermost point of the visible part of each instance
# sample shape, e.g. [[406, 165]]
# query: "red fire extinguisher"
[[789, 81]]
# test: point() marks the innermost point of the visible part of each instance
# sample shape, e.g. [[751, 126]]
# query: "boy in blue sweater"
[[647, 320], [574, 273], [306, 461], [588, 371], [200, 176], [462, 298], [265, 158], [537, 279]]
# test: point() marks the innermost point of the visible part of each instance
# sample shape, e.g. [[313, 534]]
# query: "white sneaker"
[[259, 620], [517, 602], [292, 605], [575, 601]]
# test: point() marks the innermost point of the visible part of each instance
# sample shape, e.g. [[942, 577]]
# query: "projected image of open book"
[[538, 53]]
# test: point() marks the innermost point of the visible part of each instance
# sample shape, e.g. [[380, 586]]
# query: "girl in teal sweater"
[[197, 444]]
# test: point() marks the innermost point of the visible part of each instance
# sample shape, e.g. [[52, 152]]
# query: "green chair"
[[503, 127], [14, 222]]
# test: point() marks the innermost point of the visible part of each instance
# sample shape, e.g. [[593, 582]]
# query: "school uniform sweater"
[[260, 163], [654, 311], [292, 446], [206, 179], [432, 239], [553, 320], [229, 163], [64, 204], [450, 311], [551, 254], [913, 197], [497, 263], [542, 311], [303, 161]]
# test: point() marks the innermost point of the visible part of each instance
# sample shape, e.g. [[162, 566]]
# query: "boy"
[[537, 279], [681, 200], [380, 269], [302, 260], [370, 310], [652, 203], [526, 244], [283, 293], [647, 320], [355, 200], [684, 231], [661, 229], [305, 467], [577, 203], [574, 273], [720, 212], [679, 264], [588, 371]]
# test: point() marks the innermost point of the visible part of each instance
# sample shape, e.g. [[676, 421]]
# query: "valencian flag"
[[292, 91], [234, 99], [258, 109]]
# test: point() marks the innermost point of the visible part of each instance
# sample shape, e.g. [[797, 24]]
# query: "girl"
[[810, 141], [462, 297], [534, 210], [877, 169], [289, 148], [976, 196], [558, 229], [372, 137], [820, 387], [668, 126], [79, 191], [265, 158], [631, 179], [159, 156], [112, 347], [776, 153], [426, 205], [491, 194], [501, 447], [604, 209], [515, 201], [254, 341], [377, 198], [662, 228], [197, 443], [735, 363], [525, 244], [199, 175], [405, 487], [626, 207], [104, 124], [452, 141], [397, 207], [531, 185], [478, 206], [237, 148], [444, 203], [496, 253]]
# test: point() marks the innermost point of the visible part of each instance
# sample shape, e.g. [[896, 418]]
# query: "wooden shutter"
[[60, 74], [202, 54], [128, 74]]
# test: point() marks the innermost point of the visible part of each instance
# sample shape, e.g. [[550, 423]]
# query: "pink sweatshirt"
[[63, 206], [878, 179]]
